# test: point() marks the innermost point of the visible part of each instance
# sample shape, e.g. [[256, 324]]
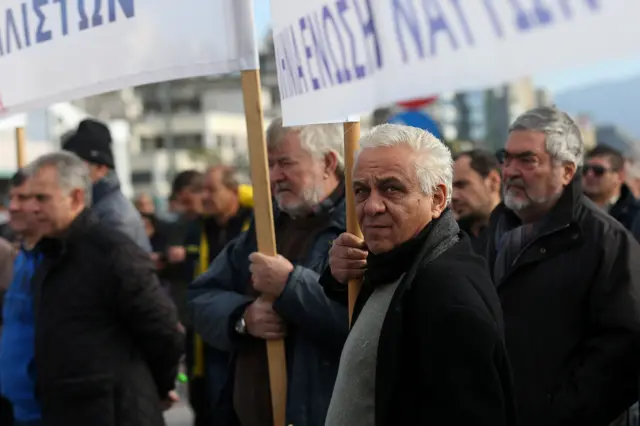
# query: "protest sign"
[[57, 50], [336, 58]]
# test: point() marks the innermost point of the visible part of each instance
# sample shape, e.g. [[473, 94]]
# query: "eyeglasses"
[[597, 170]]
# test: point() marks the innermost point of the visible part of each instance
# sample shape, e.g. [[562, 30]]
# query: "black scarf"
[[385, 268]]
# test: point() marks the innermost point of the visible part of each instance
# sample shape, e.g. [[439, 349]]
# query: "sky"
[[555, 82]]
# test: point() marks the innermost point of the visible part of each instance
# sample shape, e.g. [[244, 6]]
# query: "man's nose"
[[509, 171], [374, 205], [276, 174]]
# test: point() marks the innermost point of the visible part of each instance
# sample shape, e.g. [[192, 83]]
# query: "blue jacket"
[[117, 212], [321, 325], [17, 351]]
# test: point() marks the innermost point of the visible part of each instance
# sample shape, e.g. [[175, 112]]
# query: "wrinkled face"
[[472, 194], [217, 198], [296, 176], [145, 204], [599, 178], [530, 177], [55, 208], [21, 209], [390, 204]]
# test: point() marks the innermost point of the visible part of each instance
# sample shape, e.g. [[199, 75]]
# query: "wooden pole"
[[265, 232], [21, 149], [351, 138]]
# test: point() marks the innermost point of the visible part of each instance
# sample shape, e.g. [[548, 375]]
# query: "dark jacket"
[[116, 212], [626, 209], [321, 325], [478, 242], [570, 302], [441, 357], [107, 342]]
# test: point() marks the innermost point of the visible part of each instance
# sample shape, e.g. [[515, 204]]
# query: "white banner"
[[340, 57], [57, 50]]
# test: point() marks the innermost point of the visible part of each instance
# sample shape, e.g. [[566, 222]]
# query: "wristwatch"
[[241, 326]]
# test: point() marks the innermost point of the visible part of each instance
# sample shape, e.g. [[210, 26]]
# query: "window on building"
[[152, 106], [190, 105], [189, 141], [141, 178], [149, 144], [219, 141]]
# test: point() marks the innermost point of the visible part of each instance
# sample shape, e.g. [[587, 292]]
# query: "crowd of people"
[[497, 289]]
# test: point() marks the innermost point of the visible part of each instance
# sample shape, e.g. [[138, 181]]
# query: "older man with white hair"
[[426, 345], [568, 278], [231, 302]]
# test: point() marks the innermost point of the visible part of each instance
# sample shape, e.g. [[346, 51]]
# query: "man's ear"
[[78, 199], [440, 199], [568, 172], [494, 181], [330, 163]]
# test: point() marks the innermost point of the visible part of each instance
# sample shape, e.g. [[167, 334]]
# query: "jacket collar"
[[105, 186], [57, 246]]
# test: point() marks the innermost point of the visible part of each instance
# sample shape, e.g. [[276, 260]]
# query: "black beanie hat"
[[92, 143]]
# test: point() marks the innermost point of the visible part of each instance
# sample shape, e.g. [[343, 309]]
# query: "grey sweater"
[[353, 399]]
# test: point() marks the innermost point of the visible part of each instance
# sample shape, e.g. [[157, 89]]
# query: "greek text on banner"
[[340, 57], [57, 50]]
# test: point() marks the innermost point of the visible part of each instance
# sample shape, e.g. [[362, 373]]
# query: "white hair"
[[317, 139], [434, 164], [73, 172], [563, 138]]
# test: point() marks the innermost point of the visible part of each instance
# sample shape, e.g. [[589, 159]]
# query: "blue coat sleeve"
[[305, 304], [215, 298]]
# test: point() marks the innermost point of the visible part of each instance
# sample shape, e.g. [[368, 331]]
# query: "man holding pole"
[[426, 345], [232, 302]]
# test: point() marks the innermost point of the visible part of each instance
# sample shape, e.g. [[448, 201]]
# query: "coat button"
[[543, 250]]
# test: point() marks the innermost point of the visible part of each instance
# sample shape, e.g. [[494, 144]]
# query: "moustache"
[[516, 182], [282, 187]]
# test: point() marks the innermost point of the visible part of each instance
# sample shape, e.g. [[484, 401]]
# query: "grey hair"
[[563, 139], [434, 164], [73, 172], [317, 139]]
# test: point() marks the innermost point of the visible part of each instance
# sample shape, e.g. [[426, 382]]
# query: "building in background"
[[43, 129], [179, 125], [505, 103]]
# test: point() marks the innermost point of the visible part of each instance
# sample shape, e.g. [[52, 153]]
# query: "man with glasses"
[[568, 279], [603, 181]]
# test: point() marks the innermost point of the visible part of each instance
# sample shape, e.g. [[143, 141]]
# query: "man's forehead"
[[462, 164], [520, 141], [599, 159]]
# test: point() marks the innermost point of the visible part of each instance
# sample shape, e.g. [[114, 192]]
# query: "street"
[[180, 415]]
